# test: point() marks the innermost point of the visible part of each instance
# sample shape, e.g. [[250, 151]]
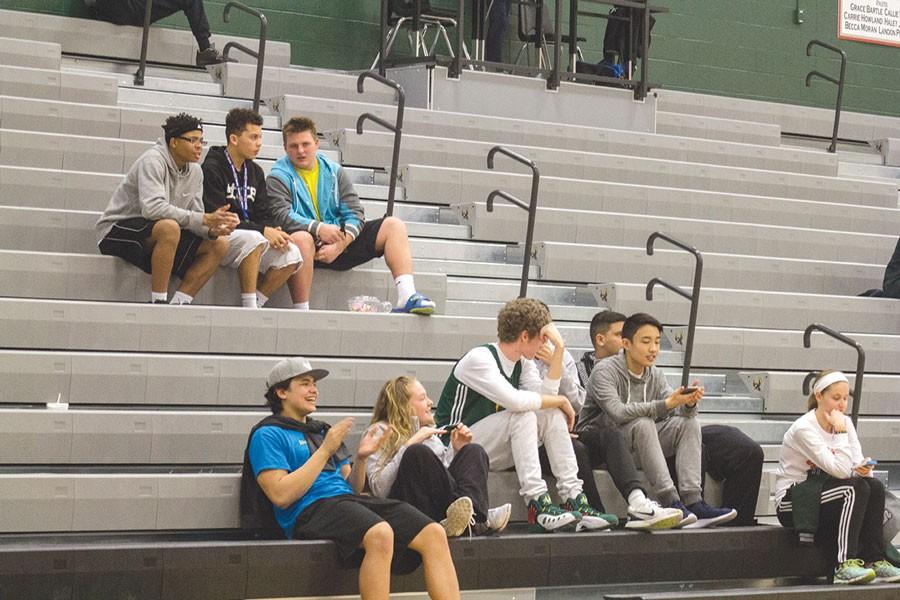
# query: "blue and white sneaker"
[[417, 305], [687, 517], [709, 516]]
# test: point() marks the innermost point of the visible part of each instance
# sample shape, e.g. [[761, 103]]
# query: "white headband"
[[827, 380]]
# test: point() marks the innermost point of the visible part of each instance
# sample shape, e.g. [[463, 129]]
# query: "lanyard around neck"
[[242, 192]]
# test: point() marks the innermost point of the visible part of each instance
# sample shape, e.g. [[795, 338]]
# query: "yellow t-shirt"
[[311, 178]]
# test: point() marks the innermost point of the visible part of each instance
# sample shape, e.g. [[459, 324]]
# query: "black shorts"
[[361, 250], [126, 240], [346, 519]]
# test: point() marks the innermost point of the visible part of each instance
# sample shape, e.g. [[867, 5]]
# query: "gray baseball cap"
[[293, 367]]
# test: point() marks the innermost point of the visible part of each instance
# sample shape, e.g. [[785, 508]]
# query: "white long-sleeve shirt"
[[478, 370], [569, 383], [806, 442]]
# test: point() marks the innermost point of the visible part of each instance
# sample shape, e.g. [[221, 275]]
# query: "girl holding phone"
[[821, 452], [448, 482]]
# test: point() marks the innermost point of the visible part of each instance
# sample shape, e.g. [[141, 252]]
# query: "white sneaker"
[[498, 517], [647, 514], [460, 514]]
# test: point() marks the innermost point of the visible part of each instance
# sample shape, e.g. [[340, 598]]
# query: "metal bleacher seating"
[[161, 399]]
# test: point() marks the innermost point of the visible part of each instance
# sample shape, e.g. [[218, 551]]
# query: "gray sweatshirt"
[[154, 188], [615, 396]]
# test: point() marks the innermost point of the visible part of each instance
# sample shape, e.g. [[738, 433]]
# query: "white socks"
[[635, 497], [261, 299], [405, 288], [159, 297], [248, 300], [301, 305], [181, 298]]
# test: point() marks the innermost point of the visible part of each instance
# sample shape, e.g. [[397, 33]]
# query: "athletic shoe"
[[886, 572], [591, 518], [648, 515], [417, 305], [210, 56], [853, 572], [498, 517], [460, 515], [709, 516], [544, 516], [687, 517], [892, 554]]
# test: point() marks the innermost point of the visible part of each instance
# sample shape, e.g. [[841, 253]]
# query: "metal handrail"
[[260, 56], [860, 362], [531, 207], [397, 128], [693, 297], [145, 42], [838, 82], [456, 65]]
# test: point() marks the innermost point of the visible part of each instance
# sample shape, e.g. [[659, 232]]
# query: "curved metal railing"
[[839, 82], [396, 127], [531, 207], [860, 363], [260, 55], [693, 297]]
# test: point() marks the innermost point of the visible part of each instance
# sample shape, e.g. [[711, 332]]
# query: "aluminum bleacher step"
[[754, 308], [16, 52], [803, 120], [482, 308], [72, 325], [848, 212], [51, 84], [563, 262], [98, 38], [783, 393], [330, 114], [99, 379], [507, 223], [55, 230], [135, 97], [68, 275], [373, 149], [712, 128], [238, 81], [737, 348]]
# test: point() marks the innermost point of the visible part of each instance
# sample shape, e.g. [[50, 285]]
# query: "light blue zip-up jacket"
[[292, 207]]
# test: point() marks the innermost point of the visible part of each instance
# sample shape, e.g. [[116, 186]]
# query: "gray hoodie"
[[154, 188], [616, 396]]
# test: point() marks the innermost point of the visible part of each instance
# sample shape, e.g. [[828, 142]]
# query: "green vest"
[[460, 403]]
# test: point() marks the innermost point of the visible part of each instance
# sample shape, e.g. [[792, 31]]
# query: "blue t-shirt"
[[277, 448]]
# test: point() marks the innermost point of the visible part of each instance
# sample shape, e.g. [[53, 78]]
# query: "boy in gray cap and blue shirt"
[[302, 468]]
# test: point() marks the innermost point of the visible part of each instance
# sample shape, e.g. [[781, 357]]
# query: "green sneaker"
[[591, 519], [544, 516], [886, 572], [892, 554], [853, 571]]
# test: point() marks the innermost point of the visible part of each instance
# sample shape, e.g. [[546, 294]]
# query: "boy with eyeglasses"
[[155, 218]]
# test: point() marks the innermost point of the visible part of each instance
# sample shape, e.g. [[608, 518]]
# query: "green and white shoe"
[[853, 572], [886, 572], [591, 518], [545, 517]]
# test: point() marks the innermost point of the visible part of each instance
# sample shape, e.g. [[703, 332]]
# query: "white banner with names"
[[872, 21]]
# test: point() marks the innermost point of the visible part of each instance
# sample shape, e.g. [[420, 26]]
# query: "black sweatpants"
[[731, 456], [850, 518], [593, 449], [131, 12], [423, 481]]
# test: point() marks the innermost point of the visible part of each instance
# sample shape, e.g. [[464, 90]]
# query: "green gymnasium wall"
[[744, 48]]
